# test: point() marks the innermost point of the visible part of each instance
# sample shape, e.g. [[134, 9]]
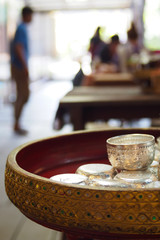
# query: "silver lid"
[[155, 184], [97, 170], [70, 178], [155, 169], [154, 164], [109, 183], [142, 177], [157, 154]]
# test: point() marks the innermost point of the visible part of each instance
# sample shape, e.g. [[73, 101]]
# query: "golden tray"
[[76, 209]]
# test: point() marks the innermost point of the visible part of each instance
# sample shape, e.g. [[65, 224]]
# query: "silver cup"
[[131, 151]]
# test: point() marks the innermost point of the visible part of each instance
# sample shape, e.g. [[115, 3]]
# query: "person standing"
[[96, 44], [109, 52], [19, 66]]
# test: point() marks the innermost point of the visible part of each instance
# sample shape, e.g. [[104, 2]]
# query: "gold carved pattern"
[[131, 212]]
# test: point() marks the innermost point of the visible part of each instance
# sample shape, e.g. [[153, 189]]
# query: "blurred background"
[[61, 30]]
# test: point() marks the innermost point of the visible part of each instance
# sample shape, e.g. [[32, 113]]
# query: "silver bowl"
[[131, 151]]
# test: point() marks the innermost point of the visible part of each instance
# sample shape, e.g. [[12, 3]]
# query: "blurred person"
[[109, 52], [96, 44], [133, 45], [19, 66], [128, 53]]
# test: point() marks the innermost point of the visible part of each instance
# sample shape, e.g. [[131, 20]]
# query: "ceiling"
[[49, 5]]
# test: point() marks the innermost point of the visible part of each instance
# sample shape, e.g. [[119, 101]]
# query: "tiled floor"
[[38, 118]]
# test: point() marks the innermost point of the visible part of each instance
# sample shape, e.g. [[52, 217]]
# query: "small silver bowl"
[[131, 151], [97, 170]]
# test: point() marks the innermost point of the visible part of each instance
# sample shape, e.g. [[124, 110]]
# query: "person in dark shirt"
[[19, 66], [96, 44], [108, 53]]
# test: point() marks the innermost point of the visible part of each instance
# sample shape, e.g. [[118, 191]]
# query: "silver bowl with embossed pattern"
[[131, 151]]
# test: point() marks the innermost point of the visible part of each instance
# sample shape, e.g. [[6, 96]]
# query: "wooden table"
[[109, 79], [106, 79], [86, 104]]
